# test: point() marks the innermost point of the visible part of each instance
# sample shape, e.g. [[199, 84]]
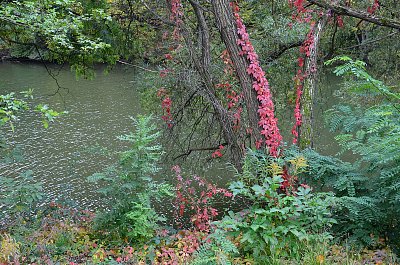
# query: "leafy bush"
[[128, 188], [275, 221], [194, 201], [218, 249], [19, 199]]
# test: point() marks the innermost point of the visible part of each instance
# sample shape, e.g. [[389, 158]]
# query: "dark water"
[[62, 156]]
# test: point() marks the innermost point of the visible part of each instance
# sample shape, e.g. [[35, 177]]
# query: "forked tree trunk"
[[202, 63]]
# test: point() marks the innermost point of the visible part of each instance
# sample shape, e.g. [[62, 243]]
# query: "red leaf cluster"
[[166, 104], [374, 7], [289, 182], [176, 16], [193, 197], [218, 153]]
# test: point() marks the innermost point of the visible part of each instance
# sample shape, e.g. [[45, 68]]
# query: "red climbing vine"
[[218, 153], [268, 121], [233, 98], [176, 16], [166, 101], [374, 7], [305, 51]]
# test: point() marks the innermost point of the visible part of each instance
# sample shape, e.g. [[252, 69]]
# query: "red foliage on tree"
[[176, 16], [299, 78], [373, 8], [268, 122]]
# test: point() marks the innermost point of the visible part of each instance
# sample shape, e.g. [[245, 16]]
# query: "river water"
[[63, 155]]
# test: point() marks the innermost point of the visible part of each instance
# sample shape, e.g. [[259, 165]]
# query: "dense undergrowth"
[[299, 208]]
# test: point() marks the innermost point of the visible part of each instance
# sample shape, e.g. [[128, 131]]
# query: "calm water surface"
[[62, 156]]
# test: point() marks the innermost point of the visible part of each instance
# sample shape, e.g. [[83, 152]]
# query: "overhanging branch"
[[347, 11]]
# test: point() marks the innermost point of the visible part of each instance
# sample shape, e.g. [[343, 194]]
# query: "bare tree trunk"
[[204, 34]]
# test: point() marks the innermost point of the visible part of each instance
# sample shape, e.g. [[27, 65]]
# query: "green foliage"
[[128, 187], [19, 198], [10, 106], [133, 38], [363, 82], [275, 222], [218, 249], [143, 219], [59, 31], [48, 114], [368, 188]]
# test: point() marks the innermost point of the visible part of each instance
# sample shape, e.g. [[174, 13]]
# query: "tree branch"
[[200, 149], [347, 11], [282, 49], [371, 41]]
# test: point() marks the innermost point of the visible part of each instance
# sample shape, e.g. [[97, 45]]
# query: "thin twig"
[[134, 65]]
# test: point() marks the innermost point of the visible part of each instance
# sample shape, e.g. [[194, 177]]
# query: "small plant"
[[9, 249], [194, 198], [20, 199], [217, 249], [143, 219], [128, 188], [194, 214]]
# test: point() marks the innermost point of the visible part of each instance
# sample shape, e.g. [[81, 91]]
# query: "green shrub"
[[276, 222], [128, 188]]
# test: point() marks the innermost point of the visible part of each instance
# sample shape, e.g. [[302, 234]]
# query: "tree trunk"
[[201, 64], [310, 87], [226, 24]]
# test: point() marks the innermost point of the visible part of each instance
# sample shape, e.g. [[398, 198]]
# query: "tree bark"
[[226, 24], [204, 34], [306, 134], [207, 91]]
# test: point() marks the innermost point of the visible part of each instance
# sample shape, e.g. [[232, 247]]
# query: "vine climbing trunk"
[[226, 24], [306, 132], [254, 84]]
